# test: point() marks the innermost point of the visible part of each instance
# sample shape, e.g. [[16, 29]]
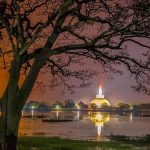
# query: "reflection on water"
[[60, 115], [22, 113], [99, 119], [131, 117], [57, 114], [84, 125], [32, 113], [78, 114]]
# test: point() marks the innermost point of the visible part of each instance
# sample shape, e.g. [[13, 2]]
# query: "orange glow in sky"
[[4, 75]]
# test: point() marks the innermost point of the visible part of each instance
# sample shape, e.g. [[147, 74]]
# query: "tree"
[[31, 104], [104, 105], [57, 105], [50, 35], [43, 107], [69, 103], [93, 106], [123, 106], [82, 105]]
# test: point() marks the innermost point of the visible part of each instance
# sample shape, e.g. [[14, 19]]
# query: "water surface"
[[85, 125]]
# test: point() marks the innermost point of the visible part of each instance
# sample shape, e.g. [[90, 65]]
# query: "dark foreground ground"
[[116, 143]]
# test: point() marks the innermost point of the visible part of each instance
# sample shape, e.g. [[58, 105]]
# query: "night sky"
[[115, 90]]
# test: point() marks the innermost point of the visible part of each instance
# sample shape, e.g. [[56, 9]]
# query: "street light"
[[77, 106], [57, 107]]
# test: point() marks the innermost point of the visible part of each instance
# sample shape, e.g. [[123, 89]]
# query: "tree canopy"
[[50, 35], [54, 34]]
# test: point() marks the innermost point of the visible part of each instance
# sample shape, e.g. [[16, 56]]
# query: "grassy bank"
[[44, 143]]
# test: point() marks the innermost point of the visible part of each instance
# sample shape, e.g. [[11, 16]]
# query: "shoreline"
[[57, 143], [97, 139]]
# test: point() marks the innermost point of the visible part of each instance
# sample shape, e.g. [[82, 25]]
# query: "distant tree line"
[[136, 107], [71, 104]]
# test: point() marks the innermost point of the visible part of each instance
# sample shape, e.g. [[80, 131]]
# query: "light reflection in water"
[[99, 119], [131, 117], [32, 113], [78, 114], [99, 129], [83, 128], [57, 114]]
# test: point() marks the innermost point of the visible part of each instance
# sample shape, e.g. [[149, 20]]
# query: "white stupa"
[[100, 100], [100, 94]]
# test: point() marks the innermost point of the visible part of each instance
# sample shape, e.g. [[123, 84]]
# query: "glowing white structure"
[[100, 94], [99, 101]]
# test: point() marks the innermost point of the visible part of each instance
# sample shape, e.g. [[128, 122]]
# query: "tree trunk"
[[9, 124], [11, 113], [13, 101]]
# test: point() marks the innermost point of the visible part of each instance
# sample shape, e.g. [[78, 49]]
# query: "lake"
[[84, 125]]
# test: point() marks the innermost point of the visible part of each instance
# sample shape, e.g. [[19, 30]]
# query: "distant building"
[[100, 101]]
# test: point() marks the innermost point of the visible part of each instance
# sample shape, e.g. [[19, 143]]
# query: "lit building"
[[100, 101]]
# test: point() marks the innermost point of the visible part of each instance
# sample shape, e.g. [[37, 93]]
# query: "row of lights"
[[77, 106], [57, 107]]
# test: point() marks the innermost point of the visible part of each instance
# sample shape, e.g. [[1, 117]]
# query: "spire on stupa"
[[100, 94]]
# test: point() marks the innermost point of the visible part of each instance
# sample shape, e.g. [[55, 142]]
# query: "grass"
[[55, 143]]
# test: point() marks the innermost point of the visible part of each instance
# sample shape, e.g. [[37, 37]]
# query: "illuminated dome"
[[99, 101]]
